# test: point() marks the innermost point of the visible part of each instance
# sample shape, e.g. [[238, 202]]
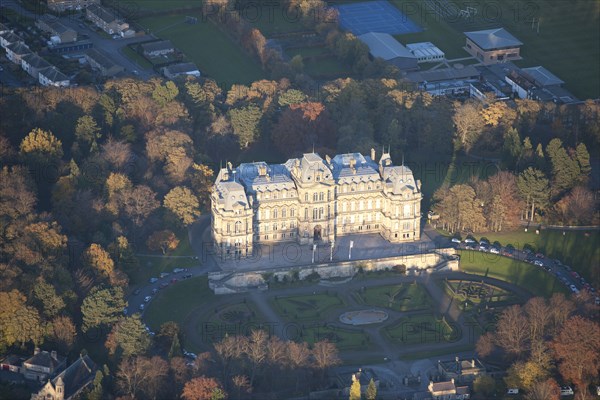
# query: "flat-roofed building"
[[492, 46], [384, 46], [182, 69], [159, 48], [426, 52]]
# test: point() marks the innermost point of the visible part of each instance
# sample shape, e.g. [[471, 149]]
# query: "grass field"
[[528, 276], [402, 297], [568, 43], [575, 249], [215, 54], [344, 339], [307, 307], [175, 302], [419, 329]]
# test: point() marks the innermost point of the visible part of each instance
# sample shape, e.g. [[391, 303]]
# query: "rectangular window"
[[292, 212], [306, 213], [275, 213]]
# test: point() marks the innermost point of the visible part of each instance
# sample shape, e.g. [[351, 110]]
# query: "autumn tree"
[[544, 390], [485, 345], [256, 351], [203, 388], [138, 203], [459, 208], [577, 348], [102, 306], [291, 96], [512, 331], [355, 389], [468, 123], [19, 323], [128, 337], [41, 147], [98, 260], [17, 193], [162, 240], [142, 376], [484, 385], [183, 204], [324, 355], [371, 393], [241, 383], [578, 207], [62, 331]]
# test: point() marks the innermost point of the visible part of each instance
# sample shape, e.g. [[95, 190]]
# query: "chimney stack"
[[36, 351], [53, 355], [372, 154]]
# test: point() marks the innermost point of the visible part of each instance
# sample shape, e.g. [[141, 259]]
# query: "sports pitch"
[[375, 16]]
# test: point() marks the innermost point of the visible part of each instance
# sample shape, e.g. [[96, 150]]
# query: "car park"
[[153, 280]]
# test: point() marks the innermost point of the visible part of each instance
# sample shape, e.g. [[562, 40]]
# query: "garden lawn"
[[420, 329], [309, 307], [402, 297], [215, 54], [528, 276], [575, 249], [344, 339], [177, 301]]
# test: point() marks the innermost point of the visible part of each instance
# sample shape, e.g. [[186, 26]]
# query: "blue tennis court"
[[375, 16]]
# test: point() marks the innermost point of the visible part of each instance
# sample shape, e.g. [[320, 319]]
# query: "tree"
[[98, 260], [102, 306], [544, 390], [183, 204], [297, 63], [512, 145], [141, 375], [577, 207], [325, 355], [485, 345], [371, 390], [117, 153], [583, 158], [63, 332], [162, 240], [459, 208], [512, 330], [128, 337], [201, 180], [484, 385], [138, 203], [203, 388], [533, 187], [46, 297], [87, 131], [468, 123], [355, 389], [241, 383], [291, 96], [165, 94], [41, 147], [245, 123], [256, 351], [565, 170], [577, 348], [19, 323], [17, 194]]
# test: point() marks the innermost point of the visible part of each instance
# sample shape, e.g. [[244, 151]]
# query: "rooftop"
[[36, 61], [182, 68], [76, 375], [384, 45], [11, 37], [101, 58], [443, 74], [157, 46], [19, 48], [53, 74], [103, 13], [497, 38], [542, 76], [45, 359]]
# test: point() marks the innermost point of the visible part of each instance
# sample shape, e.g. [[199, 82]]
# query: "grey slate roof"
[[443, 74], [276, 178], [36, 61], [19, 48], [44, 359], [385, 46], [364, 170], [497, 38], [103, 13], [11, 37], [77, 375], [542, 76], [182, 68], [53, 74], [157, 46], [101, 58]]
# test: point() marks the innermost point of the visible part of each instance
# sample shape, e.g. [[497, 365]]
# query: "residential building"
[[106, 20], [64, 5], [59, 33], [185, 69], [16, 51], [101, 62], [69, 383], [384, 46], [51, 76], [426, 52], [159, 48], [462, 371], [492, 46], [448, 391], [12, 363], [7, 38], [42, 365], [33, 64], [311, 200]]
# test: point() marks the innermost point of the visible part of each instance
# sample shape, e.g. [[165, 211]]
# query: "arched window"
[[238, 227], [283, 213]]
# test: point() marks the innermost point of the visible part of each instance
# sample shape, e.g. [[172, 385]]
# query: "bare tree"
[[513, 331], [241, 383], [538, 314], [142, 375], [298, 358], [544, 390], [561, 309], [325, 355], [116, 153], [257, 351]]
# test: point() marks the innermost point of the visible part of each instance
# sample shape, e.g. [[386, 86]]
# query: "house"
[[7, 38], [426, 52], [32, 64], [12, 362], [51, 76], [175, 70], [59, 33], [106, 20], [461, 371], [492, 46], [16, 51], [448, 391], [64, 5], [383, 45], [445, 81], [42, 365], [69, 383], [100, 61], [159, 48]]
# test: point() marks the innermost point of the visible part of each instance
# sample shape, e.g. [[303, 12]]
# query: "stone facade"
[[312, 200]]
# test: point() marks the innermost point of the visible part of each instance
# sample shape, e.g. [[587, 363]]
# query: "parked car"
[[155, 290], [147, 299], [573, 289], [484, 247], [178, 270], [539, 263], [163, 274], [164, 285], [187, 276], [484, 241], [125, 311], [470, 240], [455, 240], [494, 250], [137, 291], [513, 391], [153, 280], [173, 280], [566, 391], [539, 255], [142, 306]]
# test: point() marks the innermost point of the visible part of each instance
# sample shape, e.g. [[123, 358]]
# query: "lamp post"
[[350, 250], [331, 253], [313, 253]]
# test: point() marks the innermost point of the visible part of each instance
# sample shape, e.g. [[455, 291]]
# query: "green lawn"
[[344, 339], [308, 307], [528, 276], [419, 329], [575, 249], [175, 302], [401, 297], [568, 43], [216, 55]]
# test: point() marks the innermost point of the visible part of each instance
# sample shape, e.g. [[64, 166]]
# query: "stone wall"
[[234, 282]]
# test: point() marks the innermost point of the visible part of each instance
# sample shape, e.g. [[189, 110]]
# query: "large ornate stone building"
[[311, 200]]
